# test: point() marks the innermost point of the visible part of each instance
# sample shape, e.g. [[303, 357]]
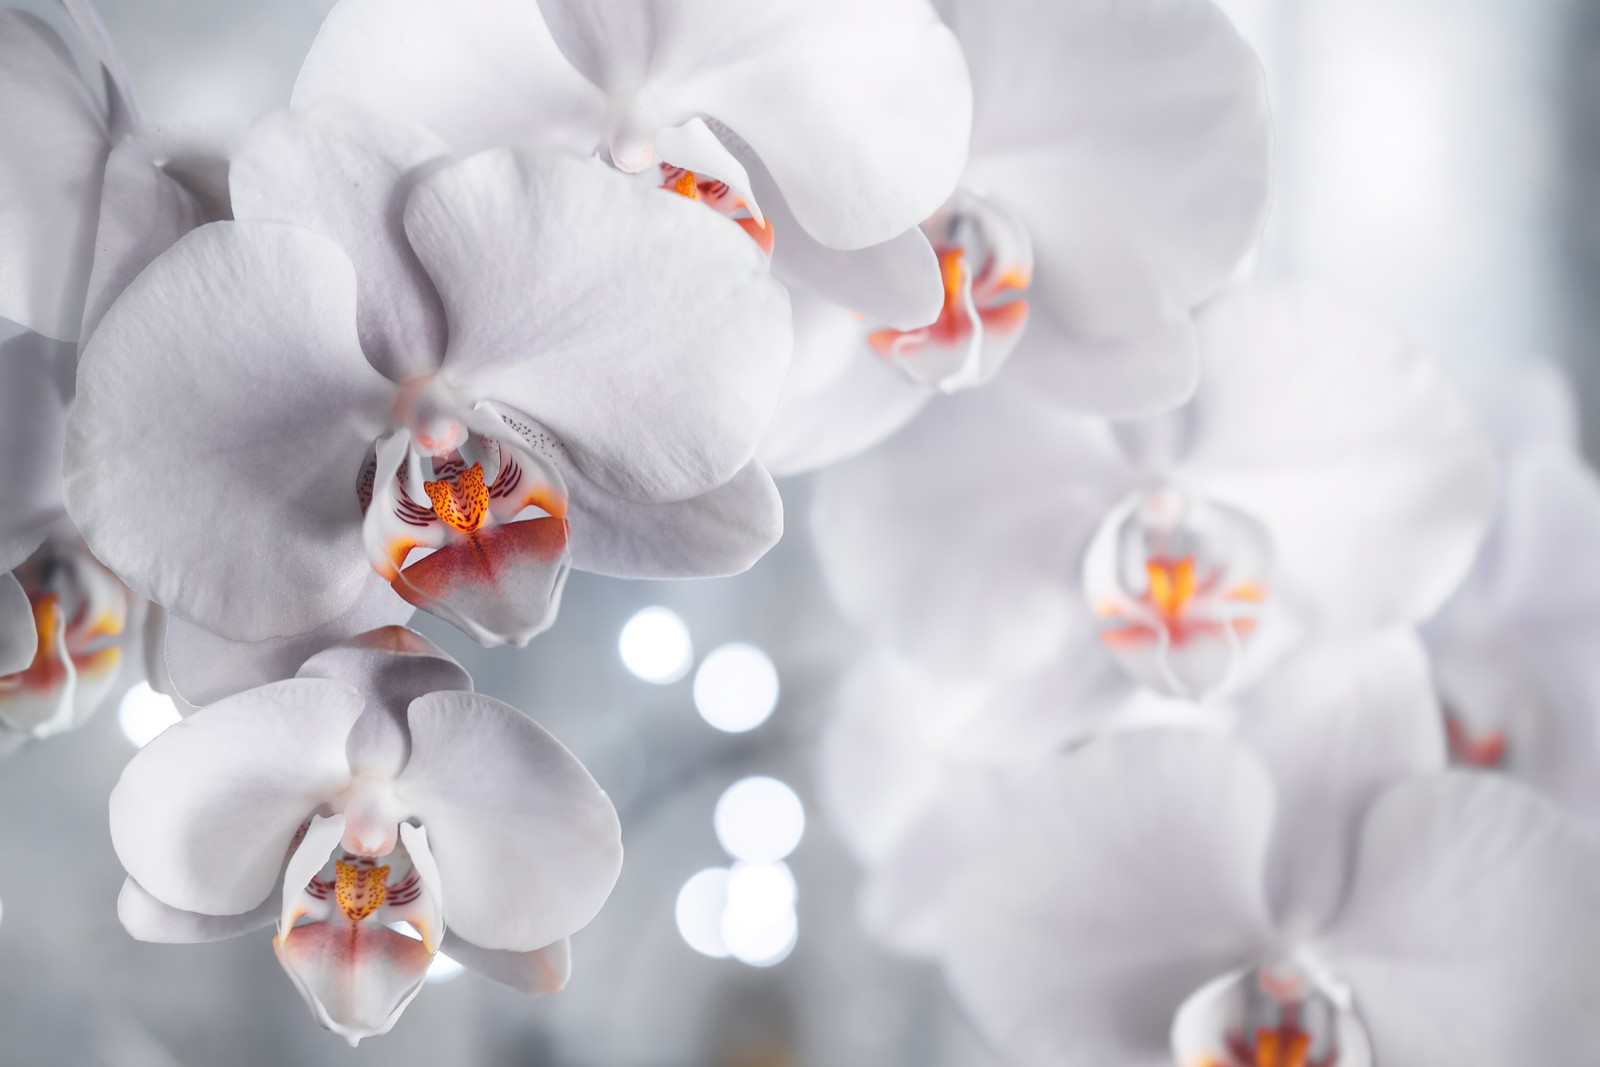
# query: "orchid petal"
[[204, 667], [1336, 723], [56, 142], [239, 510], [1055, 968], [125, 113], [311, 853], [357, 977], [538, 972], [148, 919], [528, 846], [1129, 377], [346, 174], [19, 638], [694, 147], [479, 73], [35, 376], [861, 110], [501, 585], [1472, 896], [544, 264], [1144, 179], [390, 667], [143, 212], [204, 814], [958, 541], [1353, 451]]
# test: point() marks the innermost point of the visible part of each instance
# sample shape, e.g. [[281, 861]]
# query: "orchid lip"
[[1284, 1013], [1179, 584]]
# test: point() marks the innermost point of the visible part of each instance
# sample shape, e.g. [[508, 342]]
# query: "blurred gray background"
[[1435, 159]]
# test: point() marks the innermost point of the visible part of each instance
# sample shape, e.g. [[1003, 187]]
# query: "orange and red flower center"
[[720, 197]]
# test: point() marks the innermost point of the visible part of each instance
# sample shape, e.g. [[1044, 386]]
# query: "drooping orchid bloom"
[[372, 789], [1118, 177], [63, 617], [1318, 891], [90, 192], [611, 355], [1513, 648], [1324, 479]]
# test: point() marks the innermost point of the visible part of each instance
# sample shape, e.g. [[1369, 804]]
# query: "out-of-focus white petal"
[[528, 846], [56, 142], [35, 377], [1132, 139], [1130, 875], [19, 638], [958, 541], [639, 327], [537, 972], [148, 919], [1128, 377], [346, 174], [1349, 446], [1472, 935], [1336, 723], [224, 412], [203, 816], [478, 73], [143, 212]]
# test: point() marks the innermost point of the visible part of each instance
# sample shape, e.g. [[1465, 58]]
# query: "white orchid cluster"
[[1190, 599]]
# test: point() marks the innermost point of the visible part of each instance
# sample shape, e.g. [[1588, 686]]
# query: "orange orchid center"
[[1486, 750], [719, 196], [1171, 585], [360, 890], [985, 297], [463, 501]]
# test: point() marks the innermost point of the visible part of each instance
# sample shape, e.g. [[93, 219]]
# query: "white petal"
[[390, 667], [1134, 143], [310, 855], [1141, 374], [357, 978], [19, 638], [640, 328], [223, 416], [148, 919], [528, 845], [204, 668], [958, 542], [478, 73], [346, 174], [1130, 874], [143, 212], [1472, 934], [861, 110], [56, 143], [694, 147], [203, 815], [841, 398], [35, 388], [1336, 724], [1366, 468], [539, 972]]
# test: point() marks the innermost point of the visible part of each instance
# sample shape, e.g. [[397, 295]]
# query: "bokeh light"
[[701, 903], [655, 646], [759, 820], [145, 713], [736, 688]]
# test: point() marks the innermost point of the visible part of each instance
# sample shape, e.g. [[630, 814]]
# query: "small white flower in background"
[[1319, 887], [1324, 479], [1513, 649], [64, 619], [612, 356], [372, 789], [89, 192], [1118, 177]]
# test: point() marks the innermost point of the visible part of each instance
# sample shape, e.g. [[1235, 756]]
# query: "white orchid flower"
[[89, 192], [373, 789], [1118, 177], [64, 619], [1323, 479], [611, 357], [845, 121], [1318, 891], [1513, 648]]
